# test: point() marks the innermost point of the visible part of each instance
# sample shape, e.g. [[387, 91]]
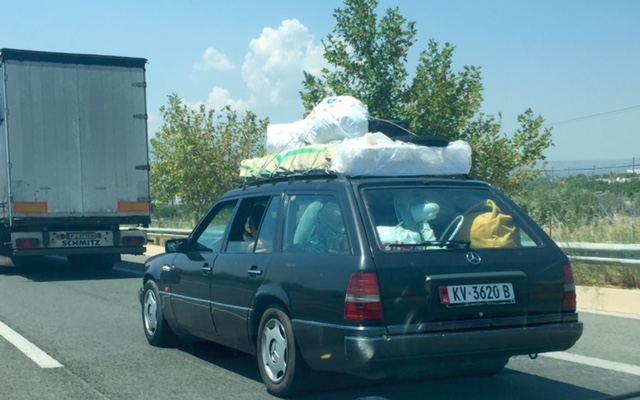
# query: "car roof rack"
[[285, 176], [321, 175]]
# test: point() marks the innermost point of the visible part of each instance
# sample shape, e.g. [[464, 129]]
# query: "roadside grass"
[[606, 276], [616, 229]]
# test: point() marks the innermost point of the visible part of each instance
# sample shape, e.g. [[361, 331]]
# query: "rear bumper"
[[63, 251], [369, 352]]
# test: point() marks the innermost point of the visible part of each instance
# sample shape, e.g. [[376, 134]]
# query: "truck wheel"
[[281, 365], [106, 262], [156, 328], [25, 262]]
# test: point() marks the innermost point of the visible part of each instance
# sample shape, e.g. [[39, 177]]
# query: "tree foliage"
[[196, 153], [368, 57]]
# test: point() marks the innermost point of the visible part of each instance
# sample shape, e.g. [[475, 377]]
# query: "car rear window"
[[428, 218]]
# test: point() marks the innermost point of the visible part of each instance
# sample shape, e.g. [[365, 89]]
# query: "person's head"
[[253, 221]]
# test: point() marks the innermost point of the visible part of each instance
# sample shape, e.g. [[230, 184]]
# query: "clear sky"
[[575, 62]]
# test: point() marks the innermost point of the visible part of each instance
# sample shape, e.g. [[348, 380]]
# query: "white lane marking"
[[595, 362], [29, 349], [609, 313]]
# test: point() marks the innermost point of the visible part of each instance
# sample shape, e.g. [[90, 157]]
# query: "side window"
[[253, 228], [267, 232], [315, 224], [210, 239]]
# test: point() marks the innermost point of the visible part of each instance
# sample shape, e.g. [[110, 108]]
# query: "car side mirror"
[[174, 245]]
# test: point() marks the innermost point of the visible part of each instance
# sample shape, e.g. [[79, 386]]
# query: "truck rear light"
[[133, 207], [569, 302], [134, 240], [362, 301], [30, 207], [27, 243]]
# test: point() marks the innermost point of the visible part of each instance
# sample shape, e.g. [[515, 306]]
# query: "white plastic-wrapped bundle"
[[336, 118], [375, 154], [333, 119], [285, 137]]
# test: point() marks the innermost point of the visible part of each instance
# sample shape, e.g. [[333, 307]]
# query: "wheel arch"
[[154, 274], [270, 295]]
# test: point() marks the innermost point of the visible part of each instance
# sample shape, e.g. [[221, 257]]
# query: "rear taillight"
[[134, 241], [569, 298], [27, 243], [362, 301]]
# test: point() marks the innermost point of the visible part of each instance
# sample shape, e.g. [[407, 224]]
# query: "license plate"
[[80, 239], [470, 295], [82, 235]]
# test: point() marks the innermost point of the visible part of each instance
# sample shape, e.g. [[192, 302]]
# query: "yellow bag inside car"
[[486, 226]]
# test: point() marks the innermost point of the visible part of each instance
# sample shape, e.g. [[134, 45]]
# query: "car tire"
[[490, 366], [281, 365], [497, 367], [156, 328]]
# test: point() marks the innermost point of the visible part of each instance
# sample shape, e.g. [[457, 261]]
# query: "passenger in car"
[[253, 224], [321, 230], [331, 230]]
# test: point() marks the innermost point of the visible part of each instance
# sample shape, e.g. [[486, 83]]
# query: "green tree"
[[368, 56], [196, 153]]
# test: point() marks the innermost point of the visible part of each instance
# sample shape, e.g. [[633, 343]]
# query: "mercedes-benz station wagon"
[[379, 277]]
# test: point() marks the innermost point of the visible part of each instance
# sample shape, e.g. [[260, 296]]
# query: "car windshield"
[[419, 218]]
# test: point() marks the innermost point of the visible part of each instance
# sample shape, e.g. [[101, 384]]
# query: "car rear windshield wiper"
[[456, 244], [449, 244]]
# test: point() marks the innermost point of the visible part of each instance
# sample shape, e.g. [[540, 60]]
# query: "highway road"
[[71, 334]]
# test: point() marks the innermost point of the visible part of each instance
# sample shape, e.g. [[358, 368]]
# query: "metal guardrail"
[[627, 255], [166, 233]]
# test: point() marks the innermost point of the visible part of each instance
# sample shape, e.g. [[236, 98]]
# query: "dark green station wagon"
[[379, 277]]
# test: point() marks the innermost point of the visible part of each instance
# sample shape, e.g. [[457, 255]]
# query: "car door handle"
[[254, 271], [206, 269], [168, 268]]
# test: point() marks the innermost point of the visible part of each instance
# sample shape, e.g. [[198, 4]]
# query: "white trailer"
[[74, 169]]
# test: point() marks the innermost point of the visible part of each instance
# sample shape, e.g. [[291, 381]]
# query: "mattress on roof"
[[373, 154]]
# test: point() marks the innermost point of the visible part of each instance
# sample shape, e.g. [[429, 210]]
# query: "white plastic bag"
[[336, 118], [333, 119], [285, 137], [393, 237]]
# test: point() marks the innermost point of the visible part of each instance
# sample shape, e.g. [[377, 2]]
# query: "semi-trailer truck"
[[74, 169]]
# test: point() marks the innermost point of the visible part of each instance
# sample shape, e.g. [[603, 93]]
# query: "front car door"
[[240, 268], [192, 268]]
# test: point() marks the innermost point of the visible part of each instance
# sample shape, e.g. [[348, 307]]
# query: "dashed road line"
[[29, 349]]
